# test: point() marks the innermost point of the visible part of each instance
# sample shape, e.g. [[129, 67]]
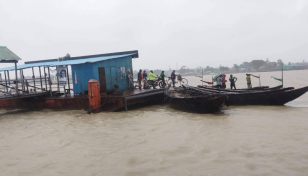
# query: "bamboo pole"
[[202, 77], [259, 80], [282, 74]]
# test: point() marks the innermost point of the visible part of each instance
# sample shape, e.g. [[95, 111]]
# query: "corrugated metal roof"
[[67, 62], [7, 55], [134, 52]]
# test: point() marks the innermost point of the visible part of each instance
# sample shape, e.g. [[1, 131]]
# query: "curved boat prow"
[[291, 95]]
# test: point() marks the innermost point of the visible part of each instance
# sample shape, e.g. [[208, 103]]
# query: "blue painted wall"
[[87, 71]]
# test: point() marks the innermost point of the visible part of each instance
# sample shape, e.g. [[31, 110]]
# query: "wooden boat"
[[264, 88], [266, 98], [247, 92], [181, 99], [269, 97]]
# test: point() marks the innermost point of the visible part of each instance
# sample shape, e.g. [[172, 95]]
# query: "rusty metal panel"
[[94, 94]]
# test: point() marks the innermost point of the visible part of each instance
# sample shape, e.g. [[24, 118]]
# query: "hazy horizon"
[[189, 33]]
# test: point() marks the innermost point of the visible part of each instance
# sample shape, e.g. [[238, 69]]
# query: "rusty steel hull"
[[108, 102], [46, 103]]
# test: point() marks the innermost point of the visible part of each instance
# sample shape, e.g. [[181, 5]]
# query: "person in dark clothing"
[[139, 78], [232, 81], [173, 76], [162, 76]]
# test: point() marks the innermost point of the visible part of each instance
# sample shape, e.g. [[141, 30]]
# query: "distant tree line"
[[253, 66]]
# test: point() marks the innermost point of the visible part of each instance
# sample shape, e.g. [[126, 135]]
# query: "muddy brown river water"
[[157, 140]]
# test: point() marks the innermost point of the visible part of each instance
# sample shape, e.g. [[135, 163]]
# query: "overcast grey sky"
[[191, 33]]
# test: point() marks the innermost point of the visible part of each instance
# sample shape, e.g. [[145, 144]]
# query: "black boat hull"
[[202, 104], [264, 88], [266, 98]]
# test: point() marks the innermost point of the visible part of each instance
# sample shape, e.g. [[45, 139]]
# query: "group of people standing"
[[145, 79], [148, 80], [221, 81]]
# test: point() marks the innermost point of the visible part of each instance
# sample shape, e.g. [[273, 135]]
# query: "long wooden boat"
[[183, 100], [242, 92], [266, 98], [264, 88], [270, 97]]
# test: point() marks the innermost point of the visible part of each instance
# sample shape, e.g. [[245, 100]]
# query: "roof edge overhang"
[[8, 61], [135, 52]]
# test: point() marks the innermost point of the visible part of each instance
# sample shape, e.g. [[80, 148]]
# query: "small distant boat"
[[182, 99]]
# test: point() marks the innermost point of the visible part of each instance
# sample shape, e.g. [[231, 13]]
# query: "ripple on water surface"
[[157, 140]]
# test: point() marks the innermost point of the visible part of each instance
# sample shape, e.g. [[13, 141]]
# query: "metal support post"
[[41, 79], [45, 79], [49, 80], [21, 80], [58, 82], [68, 81], [7, 90], [26, 82], [16, 78], [0, 78], [33, 76], [8, 77]]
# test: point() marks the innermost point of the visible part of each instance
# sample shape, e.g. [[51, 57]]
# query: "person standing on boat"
[[248, 79], [145, 78], [232, 81], [139, 78], [151, 78], [223, 80], [173, 76], [219, 81], [162, 76]]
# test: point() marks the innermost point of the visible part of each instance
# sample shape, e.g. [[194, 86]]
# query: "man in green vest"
[[151, 78], [248, 79], [162, 76]]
